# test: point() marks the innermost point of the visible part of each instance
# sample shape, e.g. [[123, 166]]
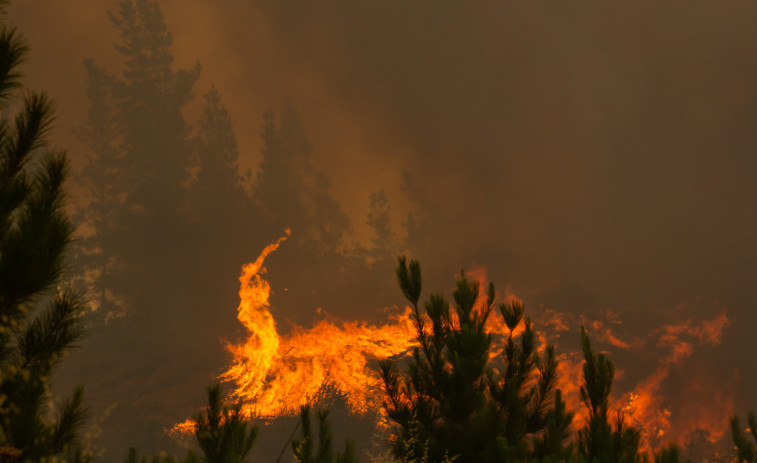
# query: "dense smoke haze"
[[596, 160]]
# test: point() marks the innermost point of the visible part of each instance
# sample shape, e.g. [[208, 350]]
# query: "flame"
[[273, 375], [645, 405]]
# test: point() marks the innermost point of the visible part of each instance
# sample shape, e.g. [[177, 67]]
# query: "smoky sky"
[[603, 141], [589, 154]]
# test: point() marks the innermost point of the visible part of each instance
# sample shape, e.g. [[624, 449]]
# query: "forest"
[[120, 264]]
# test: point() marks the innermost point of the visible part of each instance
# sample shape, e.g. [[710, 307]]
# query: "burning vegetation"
[[471, 378]]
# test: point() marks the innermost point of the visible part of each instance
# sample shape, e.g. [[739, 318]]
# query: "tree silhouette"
[[305, 450], [223, 434], [599, 441], [139, 159], [149, 99], [452, 404], [745, 450], [136, 214], [670, 454], [39, 322]]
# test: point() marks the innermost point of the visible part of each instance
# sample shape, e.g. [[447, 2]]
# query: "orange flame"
[[645, 405], [275, 375]]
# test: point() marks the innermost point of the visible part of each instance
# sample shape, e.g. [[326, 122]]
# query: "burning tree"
[[38, 321], [456, 401]]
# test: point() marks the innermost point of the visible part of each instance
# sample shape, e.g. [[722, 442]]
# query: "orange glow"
[[645, 405]]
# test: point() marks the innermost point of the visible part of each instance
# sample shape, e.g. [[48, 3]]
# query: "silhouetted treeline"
[[169, 217]]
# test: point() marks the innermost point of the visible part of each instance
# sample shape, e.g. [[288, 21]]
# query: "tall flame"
[[275, 375]]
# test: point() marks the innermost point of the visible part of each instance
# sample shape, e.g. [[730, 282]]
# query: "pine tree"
[[452, 404], [39, 321], [551, 445], [140, 153], [600, 441], [305, 449], [223, 434], [149, 99]]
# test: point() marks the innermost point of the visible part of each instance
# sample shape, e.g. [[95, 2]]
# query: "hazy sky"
[[593, 155], [608, 129]]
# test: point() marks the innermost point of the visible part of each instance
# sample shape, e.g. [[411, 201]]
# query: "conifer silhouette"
[[223, 434], [745, 450], [39, 319], [451, 404], [307, 451]]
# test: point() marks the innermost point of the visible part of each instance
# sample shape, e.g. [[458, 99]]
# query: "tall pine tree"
[[140, 153], [149, 98]]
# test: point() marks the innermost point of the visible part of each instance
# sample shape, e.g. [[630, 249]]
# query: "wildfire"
[[273, 375]]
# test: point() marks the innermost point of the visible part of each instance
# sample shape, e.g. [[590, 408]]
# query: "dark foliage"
[[223, 434], [307, 450], [39, 320], [745, 450], [453, 403]]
